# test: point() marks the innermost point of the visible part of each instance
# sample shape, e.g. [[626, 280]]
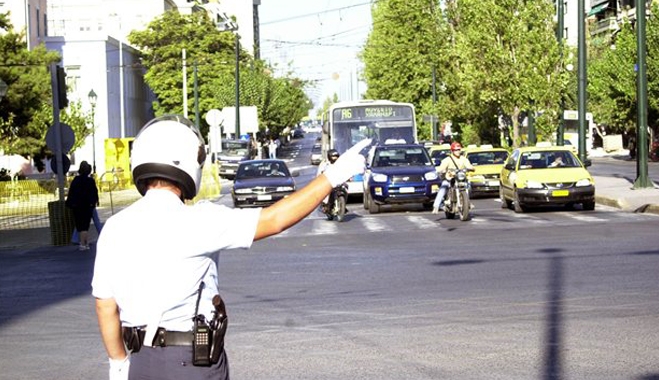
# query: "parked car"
[[546, 175], [488, 162], [399, 174], [316, 154], [260, 183]]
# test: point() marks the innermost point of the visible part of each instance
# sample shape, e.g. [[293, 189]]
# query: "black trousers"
[[173, 363]]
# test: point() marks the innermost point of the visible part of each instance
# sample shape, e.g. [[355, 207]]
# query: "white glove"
[[349, 164], [119, 368]]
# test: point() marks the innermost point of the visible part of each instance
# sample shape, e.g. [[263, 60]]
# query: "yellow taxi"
[[546, 175], [438, 152], [488, 162]]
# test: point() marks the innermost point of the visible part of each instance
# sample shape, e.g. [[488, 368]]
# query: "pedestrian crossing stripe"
[[317, 224]]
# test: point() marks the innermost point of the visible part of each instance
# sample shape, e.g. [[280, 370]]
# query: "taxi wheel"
[[589, 206], [365, 200], [504, 202], [519, 208]]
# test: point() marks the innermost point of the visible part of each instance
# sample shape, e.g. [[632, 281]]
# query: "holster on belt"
[[219, 325], [132, 338]]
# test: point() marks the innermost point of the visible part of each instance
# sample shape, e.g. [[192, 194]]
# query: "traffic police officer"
[[156, 261]]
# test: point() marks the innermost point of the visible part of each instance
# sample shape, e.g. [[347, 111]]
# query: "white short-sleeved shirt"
[[152, 256]]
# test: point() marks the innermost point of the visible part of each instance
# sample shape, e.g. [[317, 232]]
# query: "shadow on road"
[[31, 280]]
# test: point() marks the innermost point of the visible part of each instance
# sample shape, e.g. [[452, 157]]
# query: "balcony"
[[604, 26]]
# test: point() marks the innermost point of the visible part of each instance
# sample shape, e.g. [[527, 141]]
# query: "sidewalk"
[[619, 192]]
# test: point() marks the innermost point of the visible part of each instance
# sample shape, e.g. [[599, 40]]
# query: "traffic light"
[[63, 101]]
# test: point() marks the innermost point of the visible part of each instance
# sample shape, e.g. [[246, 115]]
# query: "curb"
[[623, 205]]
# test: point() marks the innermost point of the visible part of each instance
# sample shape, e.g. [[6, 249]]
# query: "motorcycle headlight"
[[431, 176], [583, 182], [379, 177], [243, 191], [534, 185], [285, 188], [461, 176]]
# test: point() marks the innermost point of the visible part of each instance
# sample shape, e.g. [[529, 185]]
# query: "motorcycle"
[[457, 196], [337, 203]]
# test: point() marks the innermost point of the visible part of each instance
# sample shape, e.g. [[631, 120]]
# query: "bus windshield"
[[382, 121]]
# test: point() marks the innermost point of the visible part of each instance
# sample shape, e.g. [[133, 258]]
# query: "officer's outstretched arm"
[[290, 210]]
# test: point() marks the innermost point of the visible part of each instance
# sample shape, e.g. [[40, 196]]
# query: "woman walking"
[[83, 199]]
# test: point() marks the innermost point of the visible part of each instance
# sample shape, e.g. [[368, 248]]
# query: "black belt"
[[163, 338]]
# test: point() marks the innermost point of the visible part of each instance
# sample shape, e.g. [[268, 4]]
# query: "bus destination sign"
[[365, 113]]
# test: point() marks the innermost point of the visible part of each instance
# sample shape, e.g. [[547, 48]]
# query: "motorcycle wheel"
[[464, 205], [340, 208], [449, 204]]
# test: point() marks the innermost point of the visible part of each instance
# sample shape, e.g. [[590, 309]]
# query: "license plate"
[[231, 171], [264, 197], [406, 190], [560, 193], [493, 183]]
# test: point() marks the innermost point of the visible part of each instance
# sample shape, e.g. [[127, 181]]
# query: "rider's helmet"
[[169, 147], [455, 146], [332, 155]]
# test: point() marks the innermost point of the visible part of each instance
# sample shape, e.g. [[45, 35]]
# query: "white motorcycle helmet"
[[169, 147]]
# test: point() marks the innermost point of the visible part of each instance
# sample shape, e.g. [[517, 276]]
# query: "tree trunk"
[[515, 119]]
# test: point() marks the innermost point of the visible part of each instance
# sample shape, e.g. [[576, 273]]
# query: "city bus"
[[347, 123]]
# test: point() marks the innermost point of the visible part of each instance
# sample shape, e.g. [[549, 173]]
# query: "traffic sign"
[[214, 117], [68, 138]]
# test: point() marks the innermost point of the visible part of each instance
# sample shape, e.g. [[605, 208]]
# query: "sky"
[[318, 40]]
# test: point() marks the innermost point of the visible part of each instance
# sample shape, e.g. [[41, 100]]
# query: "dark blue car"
[[260, 183], [399, 174]]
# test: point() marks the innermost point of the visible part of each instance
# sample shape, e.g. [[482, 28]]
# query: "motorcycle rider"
[[447, 168], [332, 156]]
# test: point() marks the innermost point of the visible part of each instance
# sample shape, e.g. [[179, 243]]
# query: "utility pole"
[[581, 91], [642, 96], [237, 85], [196, 97], [560, 133], [185, 86], [433, 121]]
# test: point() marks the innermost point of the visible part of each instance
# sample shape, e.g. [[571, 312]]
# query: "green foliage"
[[26, 111], [612, 77], [280, 102], [492, 58], [326, 105]]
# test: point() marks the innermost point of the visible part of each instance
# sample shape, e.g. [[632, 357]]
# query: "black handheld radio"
[[201, 345]]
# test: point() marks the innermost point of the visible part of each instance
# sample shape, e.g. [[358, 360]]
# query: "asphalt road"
[[551, 294]]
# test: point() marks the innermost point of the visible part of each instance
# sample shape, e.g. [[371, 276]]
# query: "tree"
[[401, 51], [612, 77], [326, 105], [507, 61], [213, 53], [26, 110]]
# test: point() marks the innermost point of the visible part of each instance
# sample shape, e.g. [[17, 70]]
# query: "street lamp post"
[[92, 100], [237, 84], [225, 24], [3, 89]]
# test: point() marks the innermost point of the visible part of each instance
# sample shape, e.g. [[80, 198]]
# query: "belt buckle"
[[161, 338]]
